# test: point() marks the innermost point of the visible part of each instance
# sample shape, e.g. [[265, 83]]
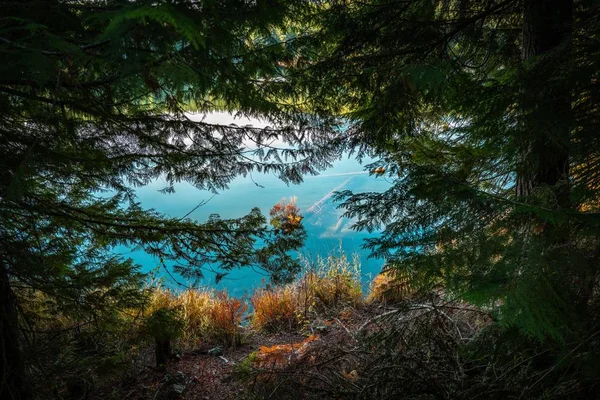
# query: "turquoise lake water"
[[327, 231]]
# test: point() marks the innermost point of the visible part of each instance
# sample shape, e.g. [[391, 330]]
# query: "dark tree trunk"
[[547, 28], [162, 351], [13, 383]]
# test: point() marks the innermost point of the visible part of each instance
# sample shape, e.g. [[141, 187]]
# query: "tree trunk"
[[162, 351], [13, 383], [546, 103]]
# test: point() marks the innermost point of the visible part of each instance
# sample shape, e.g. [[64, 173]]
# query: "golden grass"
[[326, 286], [207, 315], [333, 282], [276, 309], [225, 319]]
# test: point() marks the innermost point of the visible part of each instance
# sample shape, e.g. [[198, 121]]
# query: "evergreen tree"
[[94, 96], [484, 117]]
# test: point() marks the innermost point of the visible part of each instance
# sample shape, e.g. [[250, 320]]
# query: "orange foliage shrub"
[[391, 287], [285, 215]]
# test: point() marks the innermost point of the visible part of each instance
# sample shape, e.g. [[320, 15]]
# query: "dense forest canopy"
[[484, 115]]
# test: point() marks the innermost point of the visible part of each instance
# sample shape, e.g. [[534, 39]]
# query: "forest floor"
[[202, 374]]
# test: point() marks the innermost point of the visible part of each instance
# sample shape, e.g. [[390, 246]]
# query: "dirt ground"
[[200, 375]]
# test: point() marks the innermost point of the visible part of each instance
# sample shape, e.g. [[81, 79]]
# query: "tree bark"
[[546, 103], [162, 351], [13, 382]]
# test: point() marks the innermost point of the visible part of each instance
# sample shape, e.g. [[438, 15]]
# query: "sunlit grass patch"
[[276, 309], [225, 319], [332, 282], [326, 286], [207, 315]]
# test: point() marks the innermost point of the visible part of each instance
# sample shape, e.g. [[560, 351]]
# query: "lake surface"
[[327, 231]]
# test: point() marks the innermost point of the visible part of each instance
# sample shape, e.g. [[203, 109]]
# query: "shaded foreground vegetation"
[[317, 337], [75, 357]]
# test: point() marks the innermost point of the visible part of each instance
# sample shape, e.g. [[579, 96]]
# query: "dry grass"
[[326, 286], [225, 320], [207, 315], [332, 283], [276, 309]]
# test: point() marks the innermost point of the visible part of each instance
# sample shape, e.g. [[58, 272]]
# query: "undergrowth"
[[116, 349], [326, 286], [207, 315]]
